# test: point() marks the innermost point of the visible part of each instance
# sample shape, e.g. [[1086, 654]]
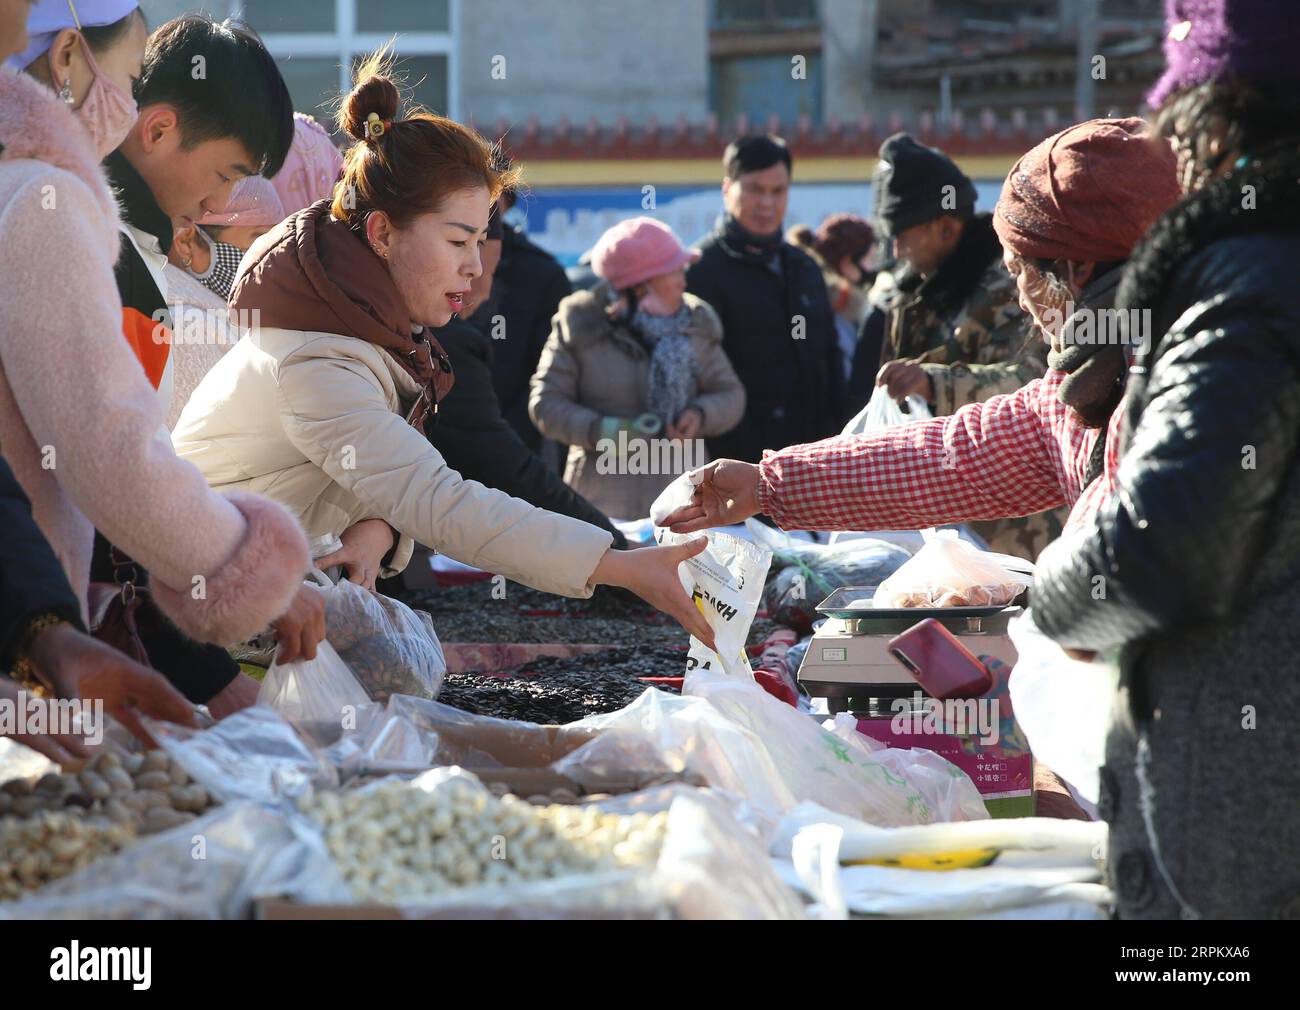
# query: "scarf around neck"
[[670, 382], [222, 267], [744, 244], [313, 273]]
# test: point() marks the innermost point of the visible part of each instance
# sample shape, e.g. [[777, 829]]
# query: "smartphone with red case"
[[940, 663]]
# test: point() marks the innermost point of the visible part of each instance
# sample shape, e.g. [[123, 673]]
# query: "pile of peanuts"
[[394, 841], [148, 791]]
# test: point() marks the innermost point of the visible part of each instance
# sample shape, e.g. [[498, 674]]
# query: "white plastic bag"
[[1063, 705], [313, 690], [883, 411], [726, 582], [390, 648], [1035, 862], [676, 495], [949, 572]]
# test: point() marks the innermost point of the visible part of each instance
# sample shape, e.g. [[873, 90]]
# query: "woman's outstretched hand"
[[651, 573]]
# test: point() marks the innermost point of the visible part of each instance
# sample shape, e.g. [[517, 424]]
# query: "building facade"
[[670, 61]]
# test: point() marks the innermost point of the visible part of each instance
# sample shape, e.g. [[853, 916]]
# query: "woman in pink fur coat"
[[79, 422]]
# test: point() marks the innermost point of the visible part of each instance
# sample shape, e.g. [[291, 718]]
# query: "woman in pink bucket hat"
[[633, 376]]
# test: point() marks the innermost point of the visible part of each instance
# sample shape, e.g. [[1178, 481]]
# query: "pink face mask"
[[108, 113]]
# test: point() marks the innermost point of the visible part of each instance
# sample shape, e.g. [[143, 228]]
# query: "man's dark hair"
[[223, 83], [755, 153]]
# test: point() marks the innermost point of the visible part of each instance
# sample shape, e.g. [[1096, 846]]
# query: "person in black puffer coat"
[[762, 287], [1197, 554], [475, 438], [530, 283]]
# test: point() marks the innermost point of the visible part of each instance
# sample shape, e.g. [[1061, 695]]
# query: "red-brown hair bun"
[[417, 162]]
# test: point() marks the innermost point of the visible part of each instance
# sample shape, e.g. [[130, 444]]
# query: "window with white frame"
[[317, 42]]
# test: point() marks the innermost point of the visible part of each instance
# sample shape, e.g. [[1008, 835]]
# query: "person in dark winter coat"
[[778, 329], [526, 293], [1198, 551], [474, 437], [1073, 207], [958, 336]]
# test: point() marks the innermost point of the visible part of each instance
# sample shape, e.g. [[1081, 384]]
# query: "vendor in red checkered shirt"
[[1071, 211]]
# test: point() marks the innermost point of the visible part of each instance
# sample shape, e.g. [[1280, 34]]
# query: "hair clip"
[[376, 127]]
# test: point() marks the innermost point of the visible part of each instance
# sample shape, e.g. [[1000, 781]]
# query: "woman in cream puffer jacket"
[[317, 418], [322, 402]]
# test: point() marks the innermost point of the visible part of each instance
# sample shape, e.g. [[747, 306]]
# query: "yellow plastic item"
[[966, 860]]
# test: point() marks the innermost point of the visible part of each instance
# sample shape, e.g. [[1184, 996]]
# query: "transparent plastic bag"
[[792, 594], [816, 764], [883, 411], [949, 572], [384, 741], [709, 867], [390, 648], [1002, 864], [1063, 705], [662, 734], [313, 690], [211, 868], [253, 754], [726, 582], [947, 789]]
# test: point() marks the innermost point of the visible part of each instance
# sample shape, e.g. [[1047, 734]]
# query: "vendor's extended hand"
[[365, 544], [78, 666], [726, 493], [301, 627], [905, 378], [651, 573]]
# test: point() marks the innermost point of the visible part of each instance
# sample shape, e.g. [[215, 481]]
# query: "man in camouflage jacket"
[[955, 333]]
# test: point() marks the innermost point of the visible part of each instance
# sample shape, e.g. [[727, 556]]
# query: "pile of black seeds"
[[560, 689], [470, 613]]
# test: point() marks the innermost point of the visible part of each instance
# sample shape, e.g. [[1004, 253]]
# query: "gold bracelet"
[[24, 670]]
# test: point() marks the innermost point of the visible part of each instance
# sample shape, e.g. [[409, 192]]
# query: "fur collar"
[[36, 126], [948, 288]]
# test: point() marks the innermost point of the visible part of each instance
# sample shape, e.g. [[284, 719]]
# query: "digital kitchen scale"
[[848, 656]]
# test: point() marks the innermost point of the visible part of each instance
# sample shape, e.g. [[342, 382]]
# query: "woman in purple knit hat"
[[1191, 567]]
